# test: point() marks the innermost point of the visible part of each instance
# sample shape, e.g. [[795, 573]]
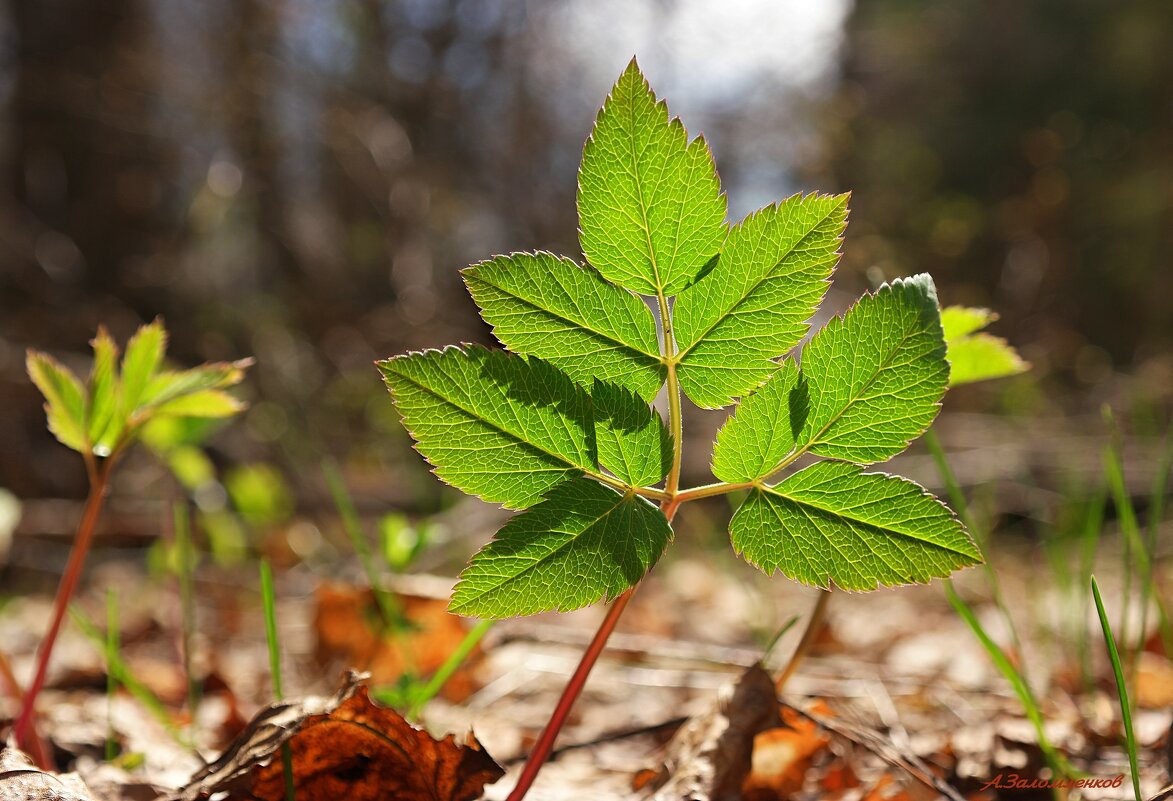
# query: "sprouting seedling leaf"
[[651, 212], [973, 354], [103, 416], [65, 399]]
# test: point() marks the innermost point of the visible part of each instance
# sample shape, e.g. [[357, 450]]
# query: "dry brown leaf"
[[344, 747], [346, 623], [1154, 682], [782, 755], [20, 780], [709, 757]]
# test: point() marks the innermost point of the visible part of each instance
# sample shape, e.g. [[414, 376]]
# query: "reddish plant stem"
[[545, 744], [23, 729]]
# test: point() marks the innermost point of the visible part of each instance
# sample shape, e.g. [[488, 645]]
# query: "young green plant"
[[101, 419], [672, 300]]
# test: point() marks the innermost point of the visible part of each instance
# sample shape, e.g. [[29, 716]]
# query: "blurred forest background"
[[300, 181]]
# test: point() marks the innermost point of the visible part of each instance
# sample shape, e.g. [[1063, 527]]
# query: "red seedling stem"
[[99, 476], [545, 744]]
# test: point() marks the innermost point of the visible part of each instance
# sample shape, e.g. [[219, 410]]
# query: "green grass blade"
[[126, 678], [187, 562], [1092, 528], [393, 619], [269, 604], [1156, 514], [1121, 688], [1055, 760]]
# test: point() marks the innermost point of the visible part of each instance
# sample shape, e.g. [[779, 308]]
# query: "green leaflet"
[[876, 375], [834, 523], [754, 305], [958, 321], [634, 444], [543, 305], [496, 425], [976, 356], [65, 404], [103, 392], [584, 542], [144, 354], [761, 432], [651, 212]]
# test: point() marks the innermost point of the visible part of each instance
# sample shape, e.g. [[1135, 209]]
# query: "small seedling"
[[671, 299], [101, 419]]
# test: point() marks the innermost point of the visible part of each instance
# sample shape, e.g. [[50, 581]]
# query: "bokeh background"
[[301, 181]]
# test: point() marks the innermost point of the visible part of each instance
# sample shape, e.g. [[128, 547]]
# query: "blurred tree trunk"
[[85, 168]]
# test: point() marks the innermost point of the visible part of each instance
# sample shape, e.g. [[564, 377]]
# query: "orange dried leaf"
[[345, 747], [781, 757], [347, 625]]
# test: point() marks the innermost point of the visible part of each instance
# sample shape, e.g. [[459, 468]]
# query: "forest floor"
[[896, 700]]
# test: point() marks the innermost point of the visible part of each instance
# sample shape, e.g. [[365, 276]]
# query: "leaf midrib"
[[840, 515], [638, 350], [639, 188], [680, 356], [495, 426]]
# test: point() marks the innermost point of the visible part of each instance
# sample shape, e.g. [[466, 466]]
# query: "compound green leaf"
[[651, 212], [633, 442], [65, 399], [876, 375], [144, 354], [104, 419], [834, 523], [959, 321], [542, 305], [976, 356], [584, 542], [497, 425], [979, 357], [754, 305], [761, 432]]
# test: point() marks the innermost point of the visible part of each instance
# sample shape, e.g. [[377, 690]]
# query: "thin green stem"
[[814, 625], [182, 524], [450, 666], [675, 423], [389, 608], [113, 637], [269, 604], [710, 490], [23, 728], [961, 507]]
